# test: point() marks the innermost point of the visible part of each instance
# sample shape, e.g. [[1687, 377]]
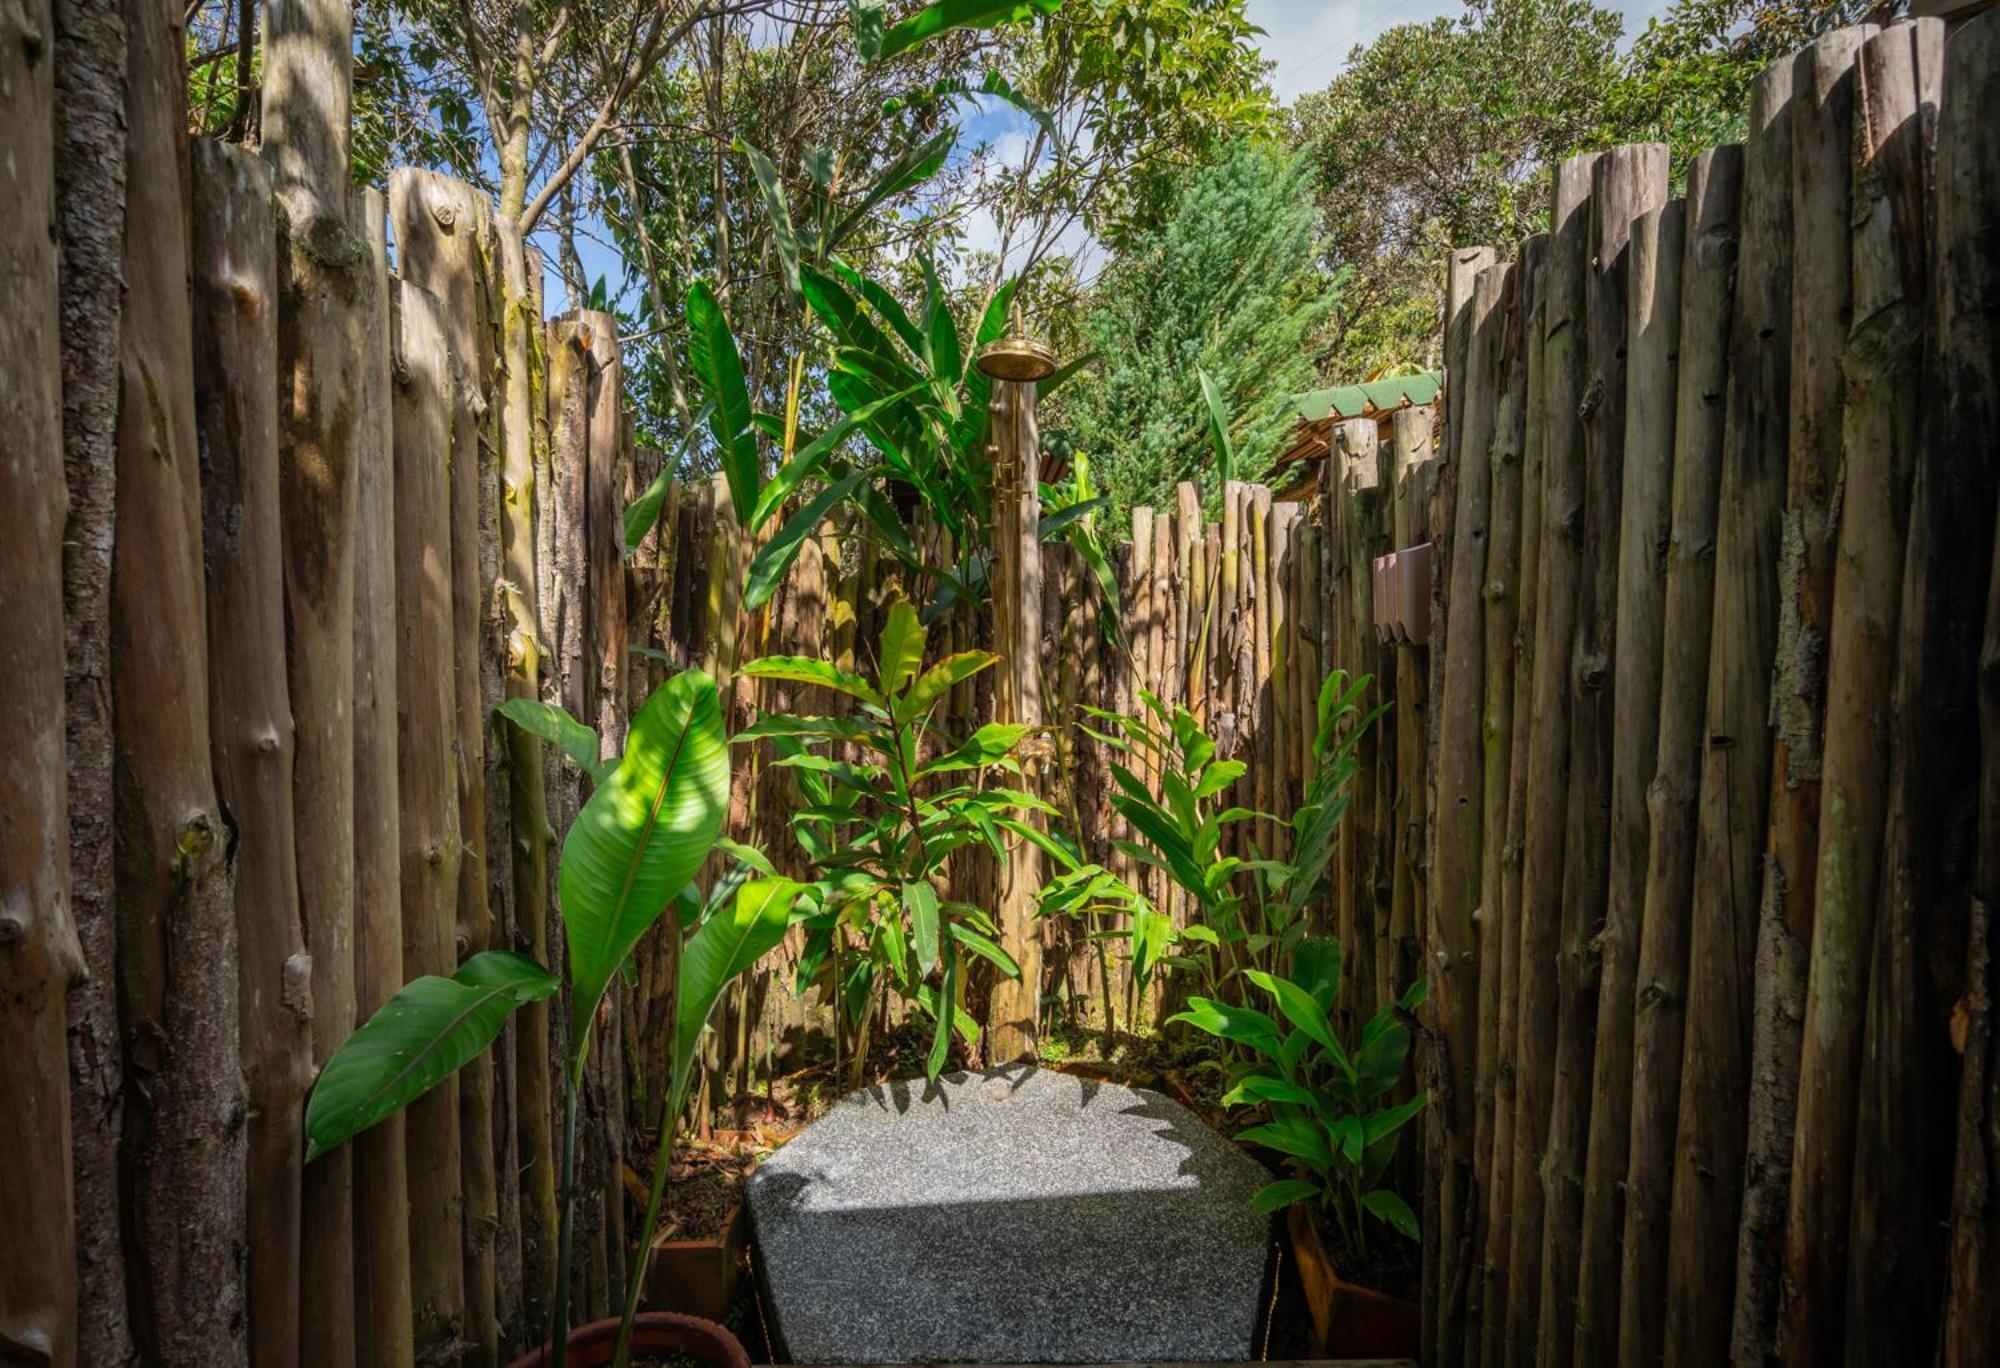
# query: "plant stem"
[[634, 1284]]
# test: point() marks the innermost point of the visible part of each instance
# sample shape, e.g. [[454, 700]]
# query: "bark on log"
[[183, 1141], [1653, 318], [1735, 772], [1510, 666], [1455, 933], [1708, 275], [39, 954], [1952, 531], [383, 1324], [1014, 1008], [250, 721], [520, 334], [427, 790], [1563, 358], [89, 56]]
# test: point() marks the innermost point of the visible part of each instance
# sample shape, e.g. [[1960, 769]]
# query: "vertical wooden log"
[[250, 722], [1414, 461], [1454, 934], [1499, 937], [1518, 441], [1626, 182], [1841, 585], [1901, 1149], [1946, 677], [427, 787], [1708, 274], [1014, 1008], [440, 228], [1257, 581], [39, 954], [383, 1318], [1735, 766], [183, 1155], [527, 803], [1364, 919], [89, 87], [1561, 531], [1653, 316]]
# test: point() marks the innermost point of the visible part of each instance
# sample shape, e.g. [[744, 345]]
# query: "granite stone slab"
[[1019, 1216]]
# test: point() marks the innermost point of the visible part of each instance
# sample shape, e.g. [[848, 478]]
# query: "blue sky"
[[1306, 41]]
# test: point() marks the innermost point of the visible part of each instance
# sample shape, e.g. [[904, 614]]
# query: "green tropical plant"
[[886, 799], [653, 818], [1327, 1110]]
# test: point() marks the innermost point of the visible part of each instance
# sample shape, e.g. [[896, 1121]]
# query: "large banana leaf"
[[641, 837], [713, 355], [726, 945], [775, 557], [775, 208], [419, 1038], [940, 15]]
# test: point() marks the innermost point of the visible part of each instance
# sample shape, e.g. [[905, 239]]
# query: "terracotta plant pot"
[[1349, 1321], [698, 1277], [658, 1333]]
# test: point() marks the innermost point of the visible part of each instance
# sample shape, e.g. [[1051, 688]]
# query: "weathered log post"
[[250, 720], [1414, 468], [1956, 469], [383, 1317], [323, 270], [39, 954], [1013, 1010], [441, 228], [1708, 275], [1735, 767], [1510, 673], [183, 1155], [427, 789], [89, 62], [1454, 932], [1356, 453], [1653, 318], [528, 819], [1563, 360]]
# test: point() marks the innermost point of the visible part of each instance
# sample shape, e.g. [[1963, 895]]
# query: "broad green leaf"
[[725, 946], [1301, 1009], [944, 1007], [805, 670], [746, 855], [775, 209], [1264, 1088], [985, 948], [1062, 375], [641, 837], [902, 647], [420, 1037], [644, 511], [990, 743], [1390, 1119], [1283, 1193], [886, 305], [808, 729], [552, 724], [1299, 1138], [1316, 968], [775, 557], [920, 900], [934, 682], [942, 15], [1053, 525], [713, 356], [1218, 427], [1245, 1025], [915, 166], [795, 471], [1393, 1209]]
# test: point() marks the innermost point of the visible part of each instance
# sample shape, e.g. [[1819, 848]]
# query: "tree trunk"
[[90, 203], [1660, 990], [1510, 673], [427, 789], [250, 721], [1735, 770], [1653, 317], [1952, 533], [384, 1322], [1013, 1011], [39, 954], [1563, 360]]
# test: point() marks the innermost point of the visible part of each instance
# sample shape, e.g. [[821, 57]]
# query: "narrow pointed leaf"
[[727, 944]]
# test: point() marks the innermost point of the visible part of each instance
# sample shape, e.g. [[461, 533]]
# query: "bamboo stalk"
[[1454, 931], [1510, 673], [250, 722], [384, 1320], [427, 789], [1660, 987], [1936, 780], [89, 68], [1652, 348], [1735, 766], [1563, 357], [38, 1280]]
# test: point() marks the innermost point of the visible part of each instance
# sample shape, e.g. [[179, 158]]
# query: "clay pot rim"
[[592, 1345]]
